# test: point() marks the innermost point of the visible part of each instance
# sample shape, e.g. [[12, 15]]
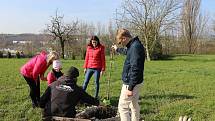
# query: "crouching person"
[[61, 97]]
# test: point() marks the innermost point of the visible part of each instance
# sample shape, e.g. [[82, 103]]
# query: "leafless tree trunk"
[[213, 27], [193, 24], [61, 31], [148, 18], [111, 32], [84, 30]]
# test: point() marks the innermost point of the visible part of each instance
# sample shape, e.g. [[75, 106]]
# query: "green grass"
[[183, 85]]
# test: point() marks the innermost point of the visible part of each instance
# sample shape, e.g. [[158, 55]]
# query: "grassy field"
[[183, 85]]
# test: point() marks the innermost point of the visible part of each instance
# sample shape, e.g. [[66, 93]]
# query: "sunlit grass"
[[182, 85]]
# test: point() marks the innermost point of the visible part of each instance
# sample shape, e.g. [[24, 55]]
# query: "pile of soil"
[[101, 113]]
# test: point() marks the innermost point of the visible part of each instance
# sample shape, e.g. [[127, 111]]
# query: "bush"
[[17, 54], [1, 54], [8, 54], [156, 53], [73, 57]]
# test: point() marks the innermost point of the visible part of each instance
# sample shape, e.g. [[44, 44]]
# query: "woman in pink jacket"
[[34, 70], [94, 62]]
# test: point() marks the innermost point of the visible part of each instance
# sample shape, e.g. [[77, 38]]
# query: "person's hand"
[[114, 47], [102, 73], [85, 70], [43, 78], [129, 93]]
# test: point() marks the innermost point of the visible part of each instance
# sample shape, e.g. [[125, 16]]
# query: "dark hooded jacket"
[[134, 63], [61, 97]]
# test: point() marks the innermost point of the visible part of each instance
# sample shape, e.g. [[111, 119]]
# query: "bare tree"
[[99, 29], [148, 18], [84, 30], [193, 24], [213, 26], [61, 31], [111, 32]]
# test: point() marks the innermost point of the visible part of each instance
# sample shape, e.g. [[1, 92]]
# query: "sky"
[[31, 16]]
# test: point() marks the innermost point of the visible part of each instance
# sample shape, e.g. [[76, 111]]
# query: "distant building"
[[15, 42], [22, 42]]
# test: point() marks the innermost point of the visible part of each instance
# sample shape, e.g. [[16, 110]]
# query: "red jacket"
[[51, 78], [35, 67], [95, 57]]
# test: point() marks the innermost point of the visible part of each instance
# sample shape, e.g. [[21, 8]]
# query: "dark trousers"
[[34, 90]]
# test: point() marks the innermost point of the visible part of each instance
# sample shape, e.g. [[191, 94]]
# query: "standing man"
[[132, 75]]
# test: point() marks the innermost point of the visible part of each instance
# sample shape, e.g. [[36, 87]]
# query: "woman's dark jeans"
[[88, 75]]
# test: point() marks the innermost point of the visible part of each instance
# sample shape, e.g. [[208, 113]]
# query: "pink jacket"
[[35, 67], [95, 57]]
